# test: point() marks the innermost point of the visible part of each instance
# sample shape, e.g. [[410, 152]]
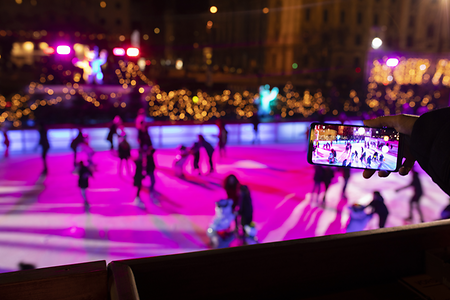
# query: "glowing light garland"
[[387, 92], [390, 88]]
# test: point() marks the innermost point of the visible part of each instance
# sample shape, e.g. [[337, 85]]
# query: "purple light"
[[119, 51], [392, 62], [63, 50]]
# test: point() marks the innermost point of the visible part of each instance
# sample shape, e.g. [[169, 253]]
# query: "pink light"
[[119, 51], [63, 50], [132, 51], [392, 62], [49, 50]]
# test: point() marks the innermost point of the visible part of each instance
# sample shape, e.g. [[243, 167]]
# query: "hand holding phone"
[[361, 147], [403, 124]]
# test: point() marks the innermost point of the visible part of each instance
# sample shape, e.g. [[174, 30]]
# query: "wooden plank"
[[121, 282], [78, 281]]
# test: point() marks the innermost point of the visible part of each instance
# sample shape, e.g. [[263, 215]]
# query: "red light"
[[148, 62], [133, 52], [49, 50], [119, 51], [358, 70]]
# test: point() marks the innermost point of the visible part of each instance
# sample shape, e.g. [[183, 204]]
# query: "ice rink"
[[43, 222]]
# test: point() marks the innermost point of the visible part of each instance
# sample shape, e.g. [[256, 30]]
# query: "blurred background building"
[[337, 50]]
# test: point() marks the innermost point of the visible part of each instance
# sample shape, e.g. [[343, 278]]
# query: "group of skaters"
[[365, 159], [144, 163], [359, 215], [233, 221]]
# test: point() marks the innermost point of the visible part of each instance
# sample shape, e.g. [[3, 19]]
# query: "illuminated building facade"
[[315, 41], [103, 23], [326, 40]]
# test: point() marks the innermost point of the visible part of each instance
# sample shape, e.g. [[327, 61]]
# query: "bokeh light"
[[376, 43]]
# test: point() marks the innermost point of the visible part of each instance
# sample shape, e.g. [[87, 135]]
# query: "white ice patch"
[[249, 164]]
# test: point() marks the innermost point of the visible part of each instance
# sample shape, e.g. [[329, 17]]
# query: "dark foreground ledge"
[[360, 263]]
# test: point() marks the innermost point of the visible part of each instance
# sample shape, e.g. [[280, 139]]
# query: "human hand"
[[403, 124]]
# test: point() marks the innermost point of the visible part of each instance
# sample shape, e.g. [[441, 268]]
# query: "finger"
[[368, 173], [406, 167], [383, 173], [389, 121]]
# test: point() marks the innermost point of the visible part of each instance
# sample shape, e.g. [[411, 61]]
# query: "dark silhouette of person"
[[83, 182], [195, 151], [418, 192], [144, 137], [74, 145], [6, 142], [379, 208], [319, 172], [138, 175], [223, 137], [242, 203], [232, 188], [150, 167], [245, 210], [209, 150], [255, 122], [124, 154], [113, 130], [43, 141], [327, 177], [346, 176], [245, 206]]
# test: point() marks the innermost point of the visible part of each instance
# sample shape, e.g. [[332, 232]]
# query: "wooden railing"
[[74, 282], [359, 265]]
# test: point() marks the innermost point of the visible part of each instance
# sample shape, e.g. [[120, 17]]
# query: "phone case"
[[375, 162]]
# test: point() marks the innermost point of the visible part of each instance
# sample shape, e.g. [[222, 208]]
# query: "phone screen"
[[354, 146]]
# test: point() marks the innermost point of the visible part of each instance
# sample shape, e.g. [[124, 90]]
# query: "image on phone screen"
[[354, 146]]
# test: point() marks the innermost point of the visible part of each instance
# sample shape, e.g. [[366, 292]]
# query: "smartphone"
[[353, 146]]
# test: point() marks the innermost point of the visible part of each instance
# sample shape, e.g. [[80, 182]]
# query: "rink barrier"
[[164, 135], [359, 265], [74, 282]]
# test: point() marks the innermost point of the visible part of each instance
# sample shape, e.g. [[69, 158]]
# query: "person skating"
[[255, 122], [379, 207], [144, 138], [150, 167], [113, 130], [180, 161], [43, 141], [319, 173], [346, 176], [209, 151], [223, 137], [124, 154], [74, 145], [327, 177], [83, 182], [195, 151], [6, 142], [414, 201], [137, 179]]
